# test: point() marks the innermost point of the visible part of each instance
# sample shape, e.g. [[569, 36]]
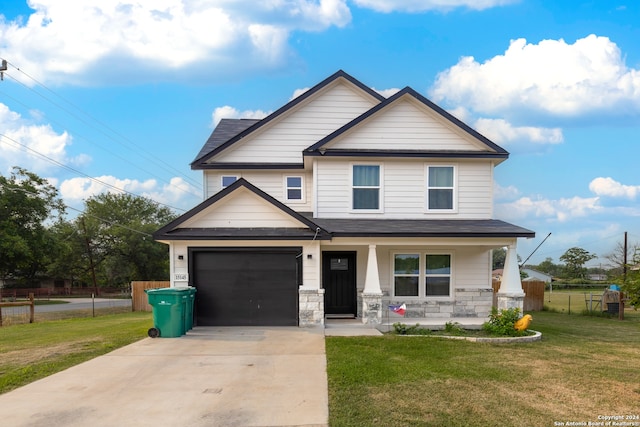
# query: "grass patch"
[[29, 352], [582, 368]]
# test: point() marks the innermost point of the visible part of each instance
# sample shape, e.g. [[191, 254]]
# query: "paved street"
[[83, 304]]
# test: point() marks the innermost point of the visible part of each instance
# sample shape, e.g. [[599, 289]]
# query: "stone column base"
[[311, 307], [372, 308], [508, 301]]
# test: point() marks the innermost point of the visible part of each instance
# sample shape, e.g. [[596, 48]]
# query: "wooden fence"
[[533, 294], [30, 303], [139, 301]]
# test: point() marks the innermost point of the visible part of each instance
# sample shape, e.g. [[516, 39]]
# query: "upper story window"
[[440, 188], [227, 180], [366, 187], [294, 188]]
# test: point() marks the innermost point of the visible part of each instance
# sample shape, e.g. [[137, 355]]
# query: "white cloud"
[[387, 92], [30, 145], [561, 210], [176, 192], [551, 77], [505, 193], [425, 5], [298, 92], [612, 188], [501, 131], [228, 112], [97, 40]]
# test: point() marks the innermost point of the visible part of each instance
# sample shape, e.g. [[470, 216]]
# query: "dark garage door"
[[246, 287]]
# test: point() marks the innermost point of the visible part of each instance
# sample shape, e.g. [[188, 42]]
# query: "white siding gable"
[[283, 140], [406, 124], [242, 209]]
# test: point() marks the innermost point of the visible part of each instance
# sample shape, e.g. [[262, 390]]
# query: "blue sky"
[[125, 93]]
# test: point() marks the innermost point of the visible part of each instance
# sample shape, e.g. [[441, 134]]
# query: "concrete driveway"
[[212, 376]]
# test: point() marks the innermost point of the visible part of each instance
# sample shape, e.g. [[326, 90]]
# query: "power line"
[[102, 128], [115, 224], [186, 190], [62, 165]]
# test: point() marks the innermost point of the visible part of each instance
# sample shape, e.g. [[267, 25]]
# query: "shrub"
[[402, 329], [502, 322], [454, 328]]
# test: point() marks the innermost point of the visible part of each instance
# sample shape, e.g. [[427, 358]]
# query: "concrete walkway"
[[210, 377]]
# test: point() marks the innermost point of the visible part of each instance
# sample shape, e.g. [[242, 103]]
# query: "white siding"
[[271, 182], [240, 209], [473, 268], [283, 140], [406, 126], [404, 190]]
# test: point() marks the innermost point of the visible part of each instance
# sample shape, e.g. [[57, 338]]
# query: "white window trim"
[[454, 188], [422, 281], [222, 177], [380, 188], [286, 189]]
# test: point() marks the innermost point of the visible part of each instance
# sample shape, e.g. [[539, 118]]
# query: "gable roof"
[[492, 150], [173, 230], [204, 155]]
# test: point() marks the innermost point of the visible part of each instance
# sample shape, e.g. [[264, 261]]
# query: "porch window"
[[437, 275], [293, 188], [440, 188], [227, 180], [406, 275], [366, 187]]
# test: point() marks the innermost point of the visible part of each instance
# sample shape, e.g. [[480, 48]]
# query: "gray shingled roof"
[[224, 131], [420, 228]]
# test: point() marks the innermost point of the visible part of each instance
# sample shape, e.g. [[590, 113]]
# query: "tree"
[[617, 257], [27, 202], [549, 267], [631, 284], [499, 255], [117, 230], [575, 258]]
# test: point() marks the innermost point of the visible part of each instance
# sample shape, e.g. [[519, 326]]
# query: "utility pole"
[[624, 266], [93, 269]]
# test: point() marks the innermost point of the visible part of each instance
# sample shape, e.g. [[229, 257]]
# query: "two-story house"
[[340, 203]]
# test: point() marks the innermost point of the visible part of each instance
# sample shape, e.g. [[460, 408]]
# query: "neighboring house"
[[340, 203], [537, 275]]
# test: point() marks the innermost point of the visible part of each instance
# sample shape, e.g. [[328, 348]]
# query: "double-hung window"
[[406, 275], [293, 190], [423, 275], [366, 187], [440, 188], [437, 275]]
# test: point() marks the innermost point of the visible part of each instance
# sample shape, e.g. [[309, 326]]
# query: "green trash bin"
[[188, 308], [168, 311]]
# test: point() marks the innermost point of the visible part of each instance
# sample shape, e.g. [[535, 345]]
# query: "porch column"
[[510, 294], [372, 294]]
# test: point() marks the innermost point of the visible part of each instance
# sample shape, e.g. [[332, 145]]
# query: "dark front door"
[[339, 282]]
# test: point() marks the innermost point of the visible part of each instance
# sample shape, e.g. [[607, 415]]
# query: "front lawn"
[[583, 368], [32, 351]]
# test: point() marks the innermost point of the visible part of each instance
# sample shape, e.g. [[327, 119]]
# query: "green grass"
[[32, 351], [583, 367]]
